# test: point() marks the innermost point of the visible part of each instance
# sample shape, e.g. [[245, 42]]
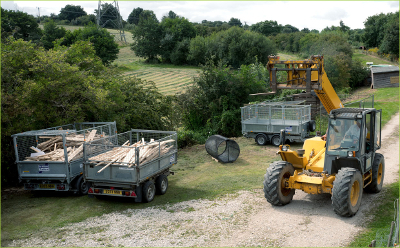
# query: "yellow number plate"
[[46, 186], [112, 192]]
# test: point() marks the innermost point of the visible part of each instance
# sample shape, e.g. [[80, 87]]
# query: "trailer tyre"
[[161, 184], [149, 191], [275, 140], [312, 126], [378, 172], [82, 186], [274, 183], [347, 192], [261, 139]]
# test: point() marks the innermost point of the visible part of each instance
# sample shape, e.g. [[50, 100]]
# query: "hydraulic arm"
[[306, 75]]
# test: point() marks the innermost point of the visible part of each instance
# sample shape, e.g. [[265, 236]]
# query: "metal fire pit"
[[222, 149]]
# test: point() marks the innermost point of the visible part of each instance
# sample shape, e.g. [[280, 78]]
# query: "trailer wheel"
[[312, 126], [261, 139], [161, 184], [149, 191], [347, 192], [378, 172], [82, 186], [275, 190], [275, 140]]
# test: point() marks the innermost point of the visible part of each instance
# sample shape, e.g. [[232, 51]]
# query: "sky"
[[300, 14]]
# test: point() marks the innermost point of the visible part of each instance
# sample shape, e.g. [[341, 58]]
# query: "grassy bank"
[[379, 228]]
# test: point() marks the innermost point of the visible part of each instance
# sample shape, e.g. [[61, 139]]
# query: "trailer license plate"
[[112, 192], [46, 186]]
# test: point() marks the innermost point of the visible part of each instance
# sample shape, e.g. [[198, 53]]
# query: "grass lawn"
[[369, 58], [169, 79]]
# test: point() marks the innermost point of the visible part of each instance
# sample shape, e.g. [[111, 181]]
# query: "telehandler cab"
[[344, 165]]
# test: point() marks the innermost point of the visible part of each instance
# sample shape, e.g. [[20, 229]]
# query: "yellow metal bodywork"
[[297, 78], [313, 159]]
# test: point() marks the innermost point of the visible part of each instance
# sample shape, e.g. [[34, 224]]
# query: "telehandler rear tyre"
[[347, 192], [274, 183], [378, 172]]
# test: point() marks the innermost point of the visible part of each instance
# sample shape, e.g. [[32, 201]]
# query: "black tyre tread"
[[79, 182], [158, 185], [274, 137], [373, 187], [265, 139], [312, 126], [271, 179], [145, 188], [340, 191]]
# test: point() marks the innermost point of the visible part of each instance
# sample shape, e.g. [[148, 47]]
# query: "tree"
[[19, 25], [234, 47], [170, 15], [146, 36], [375, 30], [174, 30], [235, 22], [289, 29], [267, 28], [212, 104], [133, 17], [51, 33], [390, 42], [71, 12], [103, 42]]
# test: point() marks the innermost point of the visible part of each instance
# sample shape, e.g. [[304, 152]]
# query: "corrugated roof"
[[382, 69]]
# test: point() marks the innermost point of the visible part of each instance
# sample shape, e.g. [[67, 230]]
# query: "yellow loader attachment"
[[309, 164]]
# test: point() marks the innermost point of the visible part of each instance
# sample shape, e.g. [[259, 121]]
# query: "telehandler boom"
[[345, 164]]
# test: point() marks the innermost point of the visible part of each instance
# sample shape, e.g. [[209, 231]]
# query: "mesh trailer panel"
[[23, 141], [152, 138]]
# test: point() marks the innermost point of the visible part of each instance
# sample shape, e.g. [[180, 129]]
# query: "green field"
[[169, 79], [370, 58]]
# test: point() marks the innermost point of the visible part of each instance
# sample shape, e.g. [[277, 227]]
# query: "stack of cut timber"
[[126, 154], [53, 148]]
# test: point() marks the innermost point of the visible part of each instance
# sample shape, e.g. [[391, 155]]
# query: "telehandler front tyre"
[[347, 192], [275, 190], [378, 172]]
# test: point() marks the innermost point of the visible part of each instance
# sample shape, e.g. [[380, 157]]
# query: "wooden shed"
[[384, 76]]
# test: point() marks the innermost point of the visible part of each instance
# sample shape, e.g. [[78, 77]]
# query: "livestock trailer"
[[265, 120], [134, 165], [52, 159]]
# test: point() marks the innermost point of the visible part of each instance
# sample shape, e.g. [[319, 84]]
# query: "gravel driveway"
[[241, 219]]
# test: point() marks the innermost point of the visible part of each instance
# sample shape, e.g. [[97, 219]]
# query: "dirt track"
[[242, 219]]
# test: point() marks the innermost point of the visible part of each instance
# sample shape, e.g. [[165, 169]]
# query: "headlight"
[[350, 154], [284, 148]]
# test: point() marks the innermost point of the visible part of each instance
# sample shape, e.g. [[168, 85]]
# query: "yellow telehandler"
[[344, 163]]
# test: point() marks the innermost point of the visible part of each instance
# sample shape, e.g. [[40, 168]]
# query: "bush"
[[103, 42], [234, 47]]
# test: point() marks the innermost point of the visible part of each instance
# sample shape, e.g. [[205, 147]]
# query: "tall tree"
[[146, 36], [71, 12], [175, 30], [170, 15], [375, 29], [133, 17], [103, 42], [51, 33], [267, 28], [235, 22], [19, 25], [390, 42]]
